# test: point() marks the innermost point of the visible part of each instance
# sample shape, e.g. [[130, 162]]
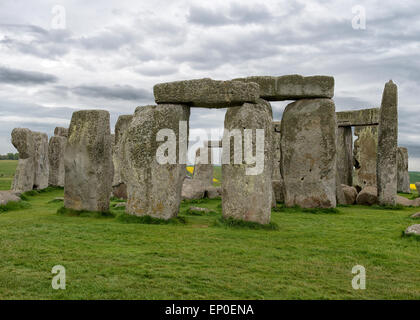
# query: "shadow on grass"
[[389, 207], [129, 218], [31, 193], [83, 213], [240, 224], [283, 208], [14, 205], [411, 236]]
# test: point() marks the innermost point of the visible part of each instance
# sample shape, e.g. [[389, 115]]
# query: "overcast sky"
[[111, 53]]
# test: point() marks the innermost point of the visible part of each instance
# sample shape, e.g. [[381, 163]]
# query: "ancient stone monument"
[[56, 151], [403, 178], [277, 179], [203, 167], [387, 146], [23, 141], [365, 149], [88, 162], [308, 146], [247, 196], [154, 188], [41, 170], [119, 188]]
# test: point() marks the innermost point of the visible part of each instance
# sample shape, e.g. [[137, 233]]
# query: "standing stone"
[[308, 146], [247, 195], [403, 183], [56, 151], [203, 168], [88, 162], [23, 141], [61, 132], [345, 155], [154, 189], [277, 180], [119, 188], [42, 167], [387, 146], [365, 153]]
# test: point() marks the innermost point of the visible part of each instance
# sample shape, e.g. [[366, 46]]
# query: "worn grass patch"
[[283, 208], [389, 207], [129, 218], [14, 205], [83, 213], [240, 224]]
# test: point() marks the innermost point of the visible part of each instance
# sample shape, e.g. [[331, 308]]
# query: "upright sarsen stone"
[[387, 146], [42, 167], [345, 155], [88, 162], [56, 149], [308, 147], [154, 189], [403, 181], [277, 179], [203, 168], [22, 140], [247, 195], [364, 156], [61, 132]]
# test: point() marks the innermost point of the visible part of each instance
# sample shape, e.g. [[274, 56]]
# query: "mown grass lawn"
[[310, 256], [7, 170]]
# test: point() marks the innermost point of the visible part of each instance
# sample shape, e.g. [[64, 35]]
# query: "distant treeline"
[[9, 156]]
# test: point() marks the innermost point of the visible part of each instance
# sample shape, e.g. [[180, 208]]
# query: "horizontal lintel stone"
[[206, 93], [293, 87], [364, 117]]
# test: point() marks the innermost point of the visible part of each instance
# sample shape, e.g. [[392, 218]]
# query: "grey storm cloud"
[[24, 77], [116, 92]]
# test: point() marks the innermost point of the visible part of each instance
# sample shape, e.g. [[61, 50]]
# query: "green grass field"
[[310, 256], [7, 170]]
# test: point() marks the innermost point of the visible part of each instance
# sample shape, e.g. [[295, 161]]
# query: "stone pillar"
[[42, 167], [247, 188], [88, 162], [119, 188], [23, 141], [345, 155], [403, 181], [56, 151], [203, 168], [387, 146], [364, 156], [153, 188], [277, 179], [308, 146]]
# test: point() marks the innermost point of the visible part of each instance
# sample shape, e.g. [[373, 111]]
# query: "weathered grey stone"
[[213, 192], [117, 155], [7, 196], [417, 184], [56, 149], [387, 146], [278, 190], [200, 210], [120, 190], [61, 132], [120, 205], [350, 194], [247, 194], [308, 146], [403, 178], [41, 166], [213, 144], [192, 189], [88, 162], [368, 196], [154, 189], [416, 215], [293, 87], [414, 229], [345, 155], [203, 168], [23, 141], [364, 117], [365, 149], [206, 93], [277, 179], [404, 201]]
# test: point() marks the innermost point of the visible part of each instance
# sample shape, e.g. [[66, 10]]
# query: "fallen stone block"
[[413, 230], [368, 196]]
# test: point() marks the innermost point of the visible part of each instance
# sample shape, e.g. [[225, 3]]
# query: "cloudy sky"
[[109, 54]]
